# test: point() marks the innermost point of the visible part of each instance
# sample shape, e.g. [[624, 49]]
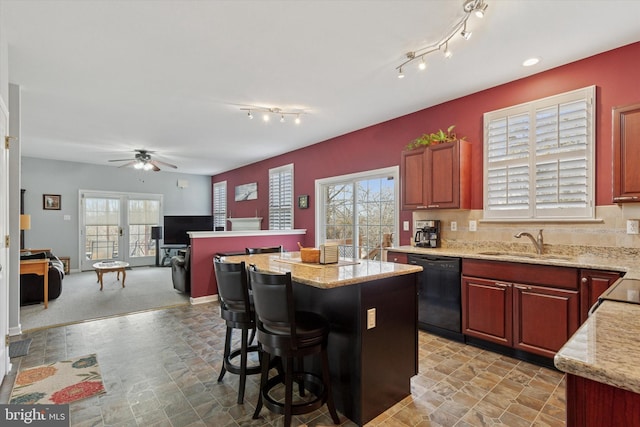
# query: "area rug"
[[58, 383], [19, 348]]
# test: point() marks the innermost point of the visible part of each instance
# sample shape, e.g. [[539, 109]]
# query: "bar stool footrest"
[[312, 383], [229, 366]]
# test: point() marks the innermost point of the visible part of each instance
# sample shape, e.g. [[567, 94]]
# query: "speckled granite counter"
[[325, 276], [606, 348], [604, 261]]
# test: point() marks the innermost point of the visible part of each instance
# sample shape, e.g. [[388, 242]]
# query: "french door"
[[117, 227]]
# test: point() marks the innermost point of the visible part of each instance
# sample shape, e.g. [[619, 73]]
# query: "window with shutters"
[[220, 206], [281, 198], [539, 159]]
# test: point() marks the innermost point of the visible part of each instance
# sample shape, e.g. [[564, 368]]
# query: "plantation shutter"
[[220, 205], [539, 158], [281, 198]]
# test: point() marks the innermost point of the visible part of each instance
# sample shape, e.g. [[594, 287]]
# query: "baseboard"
[[16, 330], [203, 300]]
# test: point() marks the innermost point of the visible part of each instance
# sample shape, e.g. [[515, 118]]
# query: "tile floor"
[[160, 369]]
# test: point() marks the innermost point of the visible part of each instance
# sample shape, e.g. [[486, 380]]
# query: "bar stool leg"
[[243, 365], [288, 392], [227, 352], [264, 363]]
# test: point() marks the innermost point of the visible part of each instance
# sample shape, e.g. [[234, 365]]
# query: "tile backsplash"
[[605, 236]]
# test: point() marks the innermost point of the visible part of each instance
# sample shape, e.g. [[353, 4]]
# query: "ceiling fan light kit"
[[143, 161], [477, 7]]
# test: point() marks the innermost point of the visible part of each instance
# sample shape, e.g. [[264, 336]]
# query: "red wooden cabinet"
[[543, 318], [413, 183], [399, 257], [437, 177], [487, 310], [592, 284], [626, 152]]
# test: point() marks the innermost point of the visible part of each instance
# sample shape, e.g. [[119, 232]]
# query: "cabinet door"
[[543, 318], [626, 152], [413, 175], [443, 176], [399, 257], [487, 310], [592, 284]]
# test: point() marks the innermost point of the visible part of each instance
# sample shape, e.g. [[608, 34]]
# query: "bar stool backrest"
[[274, 304], [232, 285], [267, 250]]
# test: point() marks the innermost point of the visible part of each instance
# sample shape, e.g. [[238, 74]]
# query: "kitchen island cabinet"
[[601, 359], [372, 354], [437, 177]]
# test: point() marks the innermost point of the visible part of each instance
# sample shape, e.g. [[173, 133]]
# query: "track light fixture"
[[267, 112], [478, 7]]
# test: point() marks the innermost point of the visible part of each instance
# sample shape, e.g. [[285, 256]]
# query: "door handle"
[[120, 231], [523, 288], [502, 285]]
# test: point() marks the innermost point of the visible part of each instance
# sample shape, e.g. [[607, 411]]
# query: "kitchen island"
[[372, 309], [601, 362]]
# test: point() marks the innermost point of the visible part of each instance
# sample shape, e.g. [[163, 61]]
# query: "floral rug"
[[59, 382]]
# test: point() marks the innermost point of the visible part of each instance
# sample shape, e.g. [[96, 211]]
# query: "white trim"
[[203, 300], [245, 233]]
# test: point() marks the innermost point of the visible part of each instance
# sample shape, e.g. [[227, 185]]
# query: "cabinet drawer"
[[535, 274], [399, 257]]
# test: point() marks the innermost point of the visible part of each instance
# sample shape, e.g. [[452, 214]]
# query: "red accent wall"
[[614, 73]]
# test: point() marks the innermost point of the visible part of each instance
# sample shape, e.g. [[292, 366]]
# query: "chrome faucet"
[[537, 242]]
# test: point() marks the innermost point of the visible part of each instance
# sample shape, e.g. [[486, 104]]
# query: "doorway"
[[117, 227]]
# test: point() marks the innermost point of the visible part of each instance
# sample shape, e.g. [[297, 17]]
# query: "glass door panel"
[[142, 215], [102, 230]]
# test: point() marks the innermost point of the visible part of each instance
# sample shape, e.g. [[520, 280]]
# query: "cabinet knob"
[[584, 280]]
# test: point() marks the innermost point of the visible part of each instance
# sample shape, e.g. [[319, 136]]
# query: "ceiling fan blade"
[[131, 163], [120, 160], [155, 168], [164, 163]]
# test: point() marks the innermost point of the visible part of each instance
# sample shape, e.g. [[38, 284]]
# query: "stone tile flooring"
[[160, 369]]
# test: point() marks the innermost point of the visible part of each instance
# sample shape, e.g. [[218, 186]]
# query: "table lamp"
[[25, 224]]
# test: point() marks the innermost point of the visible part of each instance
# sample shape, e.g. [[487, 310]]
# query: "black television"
[[176, 227]]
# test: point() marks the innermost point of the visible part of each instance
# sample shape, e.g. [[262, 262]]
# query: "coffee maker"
[[427, 233]]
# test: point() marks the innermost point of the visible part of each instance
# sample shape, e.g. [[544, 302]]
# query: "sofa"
[[180, 275], [31, 285]]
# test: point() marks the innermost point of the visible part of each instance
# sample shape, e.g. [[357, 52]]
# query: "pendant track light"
[[267, 112], [477, 7]]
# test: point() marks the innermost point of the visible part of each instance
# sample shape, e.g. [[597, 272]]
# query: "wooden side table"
[[66, 261]]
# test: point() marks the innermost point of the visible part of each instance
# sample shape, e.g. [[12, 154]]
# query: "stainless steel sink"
[[548, 257]]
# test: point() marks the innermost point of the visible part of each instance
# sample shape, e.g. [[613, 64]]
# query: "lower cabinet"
[[399, 257], [537, 318], [592, 284]]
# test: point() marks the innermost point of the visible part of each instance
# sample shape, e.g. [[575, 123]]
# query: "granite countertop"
[[606, 347], [628, 265], [347, 272]]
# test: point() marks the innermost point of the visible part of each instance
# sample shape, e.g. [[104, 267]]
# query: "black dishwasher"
[[439, 301]]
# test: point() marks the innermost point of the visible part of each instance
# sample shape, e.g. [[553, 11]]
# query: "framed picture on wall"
[[51, 202], [303, 201], [247, 192]]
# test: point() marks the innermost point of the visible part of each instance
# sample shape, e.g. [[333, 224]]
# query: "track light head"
[[481, 9], [465, 34], [422, 65], [400, 73], [250, 115]]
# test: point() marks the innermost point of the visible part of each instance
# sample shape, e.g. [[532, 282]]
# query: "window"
[[281, 198], [359, 212], [539, 159], [220, 206]]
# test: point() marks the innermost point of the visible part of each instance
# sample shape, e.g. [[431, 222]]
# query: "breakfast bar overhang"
[[373, 312]]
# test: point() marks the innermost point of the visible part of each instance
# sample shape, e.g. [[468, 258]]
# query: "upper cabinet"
[[437, 177], [626, 152]]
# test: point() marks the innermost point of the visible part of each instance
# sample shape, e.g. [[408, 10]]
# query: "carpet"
[[58, 383], [19, 348]]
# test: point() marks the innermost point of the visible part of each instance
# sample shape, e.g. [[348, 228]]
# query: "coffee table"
[[111, 266]]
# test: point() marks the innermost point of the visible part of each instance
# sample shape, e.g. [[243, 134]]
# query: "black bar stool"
[[237, 310], [290, 335]]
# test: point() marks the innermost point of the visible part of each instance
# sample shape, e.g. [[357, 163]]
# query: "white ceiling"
[[102, 78]]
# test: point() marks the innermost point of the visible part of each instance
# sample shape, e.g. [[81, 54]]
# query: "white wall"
[[50, 230]]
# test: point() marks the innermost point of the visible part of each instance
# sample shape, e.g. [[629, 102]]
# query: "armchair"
[[180, 274], [31, 285]]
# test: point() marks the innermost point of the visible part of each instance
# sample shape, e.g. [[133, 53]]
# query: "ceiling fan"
[[144, 161]]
